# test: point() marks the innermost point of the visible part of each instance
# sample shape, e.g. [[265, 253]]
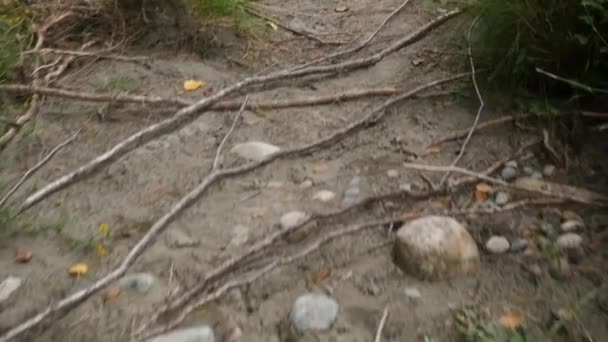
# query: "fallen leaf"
[[101, 251], [23, 256], [191, 85], [512, 319], [78, 269], [272, 25], [111, 293], [318, 277], [433, 149], [341, 9], [481, 192], [105, 229]]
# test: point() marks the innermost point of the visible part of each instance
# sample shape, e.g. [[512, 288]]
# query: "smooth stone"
[[313, 312], [519, 245], [549, 170], [413, 293], [405, 187], [324, 196], [8, 287], [306, 184], [501, 198], [568, 241], [195, 334], [176, 238], [435, 248], [497, 244], [512, 163], [292, 219], [570, 226], [240, 235], [254, 150], [140, 282], [569, 215], [529, 170], [392, 173], [537, 175], [508, 173]]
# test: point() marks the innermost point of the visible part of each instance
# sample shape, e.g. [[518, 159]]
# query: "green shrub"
[[14, 38], [567, 38]]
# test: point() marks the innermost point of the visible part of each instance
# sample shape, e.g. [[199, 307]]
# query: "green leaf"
[[581, 39]]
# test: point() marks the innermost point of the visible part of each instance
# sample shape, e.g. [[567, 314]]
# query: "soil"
[[135, 190]]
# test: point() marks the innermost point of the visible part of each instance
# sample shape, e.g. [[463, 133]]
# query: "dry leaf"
[[433, 149], [79, 269], [481, 192], [341, 9], [111, 293], [320, 276], [23, 256], [101, 250], [191, 85], [512, 319], [105, 229], [272, 25]]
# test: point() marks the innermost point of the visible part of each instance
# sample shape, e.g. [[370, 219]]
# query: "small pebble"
[[519, 245], [254, 150], [177, 238], [501, 198], [306, 184], [314, 312], [569, 241], [405, 187], [537, 175], [497, 244], [195, 334], [549, 170], [324, 196], [512, 163], [569, 215], [8, 287], [570, 226], [392, 173], [240, 235], [140, 282], [527, 156], [508, 173], [529, 170], [292, 219], [413, 293]]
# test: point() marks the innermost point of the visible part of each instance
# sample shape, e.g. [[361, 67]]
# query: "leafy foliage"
[[13, 38]]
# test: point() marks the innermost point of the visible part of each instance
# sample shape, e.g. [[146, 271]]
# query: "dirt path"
[[134, 191]]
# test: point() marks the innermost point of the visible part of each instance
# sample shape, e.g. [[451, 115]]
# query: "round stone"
[[292, 219], [508, 173], [568, 241], [316, 312], [497, 244]]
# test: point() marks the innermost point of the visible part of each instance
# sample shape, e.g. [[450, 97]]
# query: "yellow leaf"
[[511, 319], [101, 250], [191, 85], [79, 269], [105, 229], [272, 25]]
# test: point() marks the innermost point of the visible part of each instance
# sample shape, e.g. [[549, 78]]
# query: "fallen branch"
[[96, 54], [199, 190], [381, 325], [572, 83], [189, 113]]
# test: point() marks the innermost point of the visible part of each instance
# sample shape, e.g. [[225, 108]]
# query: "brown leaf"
[[23, 256], [433, 149], [512, 319], [318, 277], [481, 192], [111, 293]]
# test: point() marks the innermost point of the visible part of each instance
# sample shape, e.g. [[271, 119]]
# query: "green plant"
[[14, 37], [475, 326]]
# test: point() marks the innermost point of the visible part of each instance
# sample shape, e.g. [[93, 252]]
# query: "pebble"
[[240, 235], [537, 175], [8, 287], [435, 248], [140, 282], [306, 184], [568, 241], [527, 156], [324, 196], [413, 293], [501, 198], [512, 163], [508, 173], [497, 244], [176, 238], [519, 245], [569, 215], [549, 170], [194, 334], [254, 150], [570, 226], [392, 173], [529, 170], [292, 219], [314, 312], [405, 187], [352, 192]]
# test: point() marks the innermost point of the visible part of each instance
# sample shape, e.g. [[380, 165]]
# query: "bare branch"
[[234, 123]]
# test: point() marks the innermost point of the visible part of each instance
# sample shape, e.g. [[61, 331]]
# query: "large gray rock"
[[436, 247]]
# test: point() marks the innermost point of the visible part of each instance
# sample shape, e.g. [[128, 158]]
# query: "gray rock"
[[139, 282], [254, 150], [519, 245], [405, 187], [194, 334], [549, 170], [292, 219], [508, 173], [8, 286], [537, 175], [571, 226], [324, 196], [512, 163], [352, 192], [501, 198], [313, 312], [413, 293], [568, 241], [176, 238], [436, 247], [392, 173], [240, 235], [497, 245], [529, 171]]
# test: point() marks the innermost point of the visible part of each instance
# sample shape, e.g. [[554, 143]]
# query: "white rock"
[[176, 238], [292, 219], [549, 170], [240, 235], [497, 244], [392, 173], [314, 312], [8, 287], [413, 293], [254, 150], [569, 241], [501, 198], [195, 334], [324, 196], [306, 184], [436, 247], [570, 226], [405, 187], [512, 163], [140, 282], [508, 173]]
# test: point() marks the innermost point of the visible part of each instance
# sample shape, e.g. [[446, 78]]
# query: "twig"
[[234, 123], [97, 54], [189, 113], [573, 83], [381, 325], [479, 97], [36, 167], [194, 194]]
